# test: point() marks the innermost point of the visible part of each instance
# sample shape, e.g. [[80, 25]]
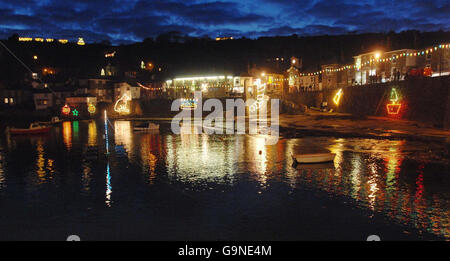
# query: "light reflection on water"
[[373, 173]]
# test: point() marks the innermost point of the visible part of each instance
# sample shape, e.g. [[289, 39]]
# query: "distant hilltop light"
[[47, 40], [80, 41], [224, 38]]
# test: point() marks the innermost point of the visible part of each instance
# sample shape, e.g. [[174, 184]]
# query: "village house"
[[15, 96], [100, 88], [335, 76], [129, 88], [43, 99], [377, 66]]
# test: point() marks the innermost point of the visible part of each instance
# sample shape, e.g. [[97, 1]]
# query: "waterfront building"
[[15, 96], [220, 86], [334, 76], [378, 66], [100, 88], [309, 82], [129, 88], [43, 99]]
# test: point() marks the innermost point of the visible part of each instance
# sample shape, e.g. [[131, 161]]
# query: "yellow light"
[[337, 97], [122, 108], [80, 41], [25, 39], [49, 40], [35, 57], [263, 74], [63, 41], [377, 55], [39, 39]]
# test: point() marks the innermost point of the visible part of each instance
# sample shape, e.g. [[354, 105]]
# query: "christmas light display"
[[65, 110], [121, 105], [80, 41], [188, 104], [260, 89], [91, 108], [378, 59], [75, 112], [394, 107], [337, 97]]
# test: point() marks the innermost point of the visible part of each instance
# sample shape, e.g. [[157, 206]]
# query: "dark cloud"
[[134, 20]]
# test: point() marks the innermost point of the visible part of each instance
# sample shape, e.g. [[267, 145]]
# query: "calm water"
[[165, 186]]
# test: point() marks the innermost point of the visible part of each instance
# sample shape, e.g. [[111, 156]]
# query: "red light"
[[65, 110], [393, 108]]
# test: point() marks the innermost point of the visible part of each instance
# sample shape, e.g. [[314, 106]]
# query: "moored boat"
[[314, 157], [35, 128]]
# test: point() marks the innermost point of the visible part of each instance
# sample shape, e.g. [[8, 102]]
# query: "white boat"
[[314, 157], [149, 127]]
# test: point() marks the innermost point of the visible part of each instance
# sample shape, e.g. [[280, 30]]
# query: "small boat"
[[35, 128], [314, 158], [56, 120], [149, 127]]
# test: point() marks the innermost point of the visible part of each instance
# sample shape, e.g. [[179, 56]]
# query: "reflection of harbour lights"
[[40, 162], [373, 186], [356, 176], [123, 134], [67, 134], [92, 133]]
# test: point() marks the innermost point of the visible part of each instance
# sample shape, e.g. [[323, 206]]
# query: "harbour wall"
[[421, 99]]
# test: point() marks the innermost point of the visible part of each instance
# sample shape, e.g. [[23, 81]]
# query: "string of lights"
[[381, 60]]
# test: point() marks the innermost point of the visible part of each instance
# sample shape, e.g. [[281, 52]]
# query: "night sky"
[[123, 21]]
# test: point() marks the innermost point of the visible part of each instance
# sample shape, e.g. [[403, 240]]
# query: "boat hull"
[[314, 158]]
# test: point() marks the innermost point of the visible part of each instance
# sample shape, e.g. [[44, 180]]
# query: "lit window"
[[6, 100], [11, 100]]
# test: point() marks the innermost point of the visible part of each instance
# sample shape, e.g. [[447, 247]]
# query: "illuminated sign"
[[260, 89], [91, 108], [75, 112], [337, 97], [80, 41], [394, 107], [188, 104], [110, 54], [121, 105], [65, 110]]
